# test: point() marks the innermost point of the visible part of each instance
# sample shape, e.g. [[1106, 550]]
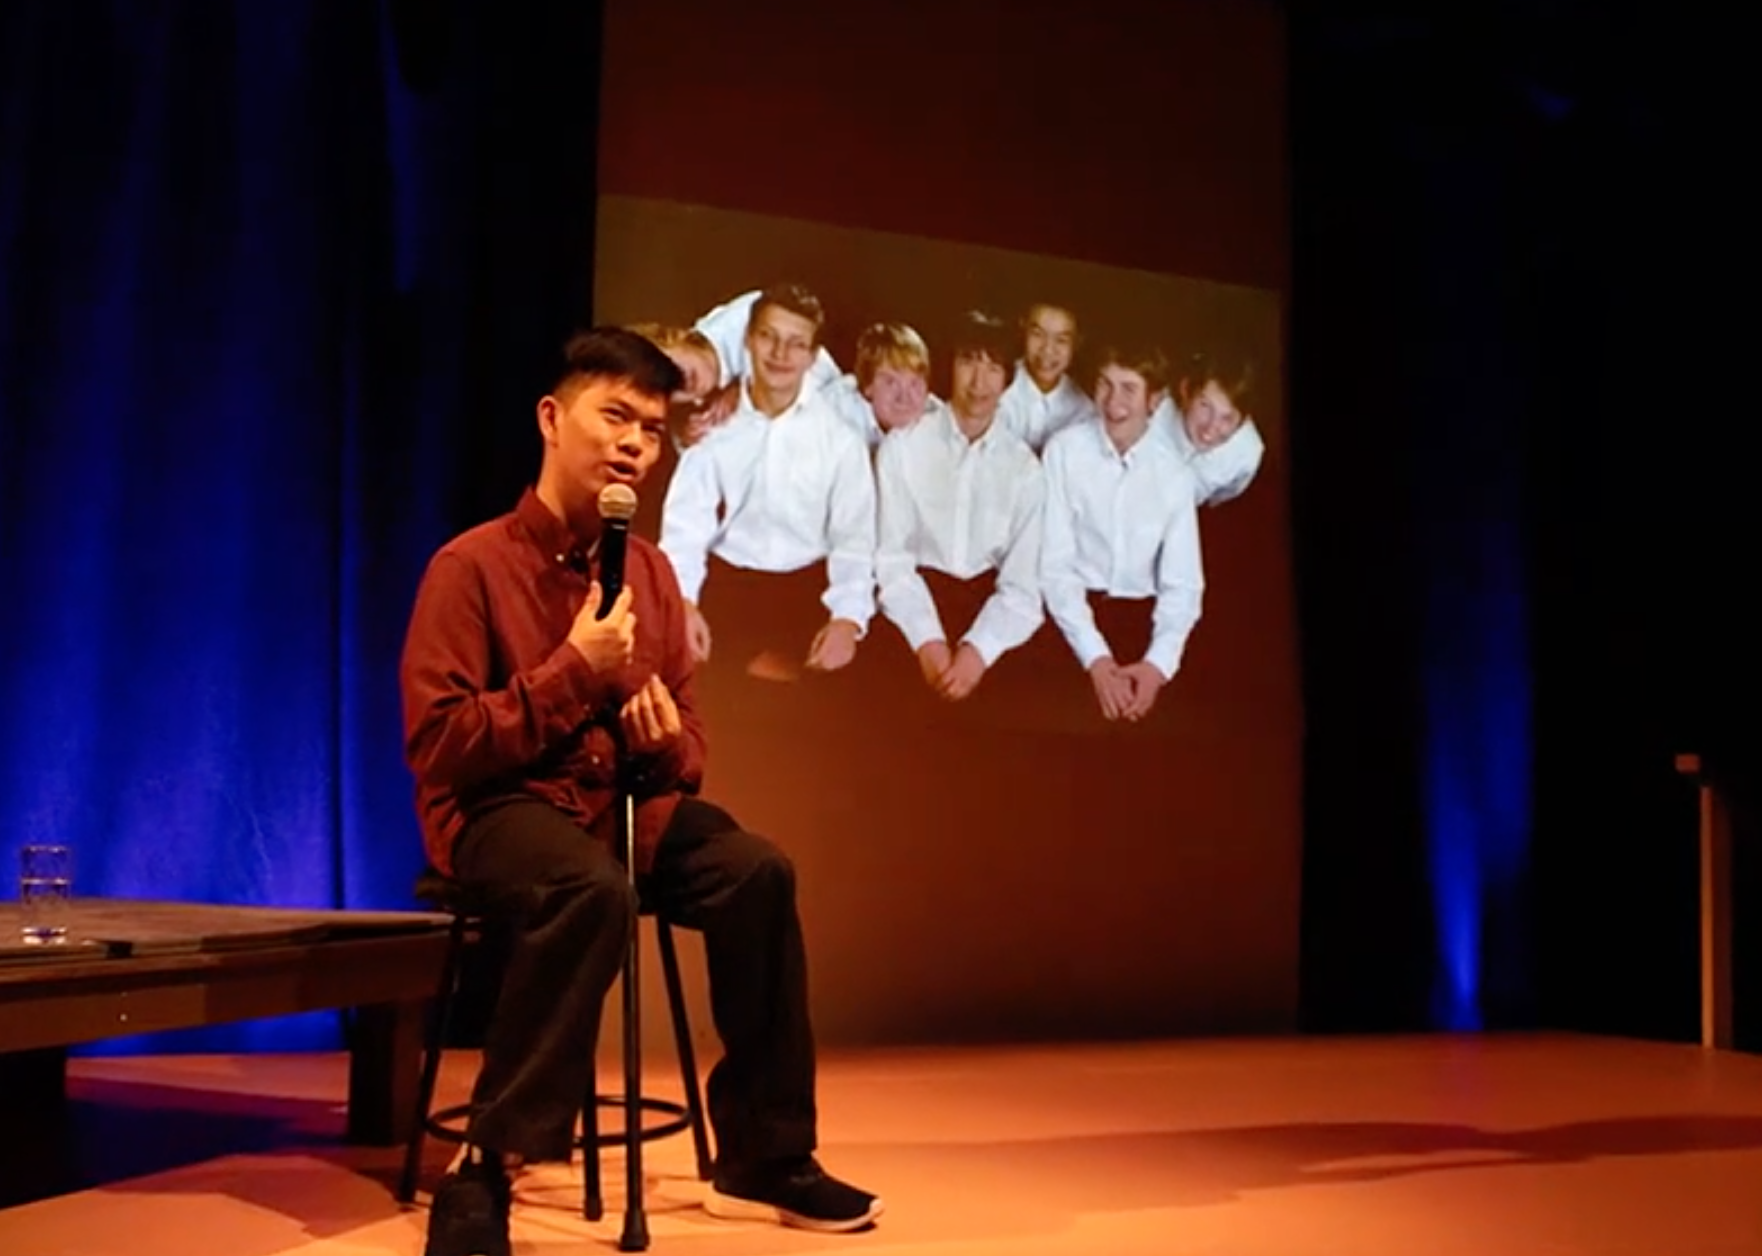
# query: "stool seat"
[[439, 892], [473, 909]]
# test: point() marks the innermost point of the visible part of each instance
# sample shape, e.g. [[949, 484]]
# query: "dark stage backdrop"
[[1522, 553], [1013, 865], [275, 282]]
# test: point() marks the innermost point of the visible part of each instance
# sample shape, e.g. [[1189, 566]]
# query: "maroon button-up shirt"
[[498, 704]]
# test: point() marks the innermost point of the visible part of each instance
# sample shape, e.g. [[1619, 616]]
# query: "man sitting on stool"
[[516, 699]]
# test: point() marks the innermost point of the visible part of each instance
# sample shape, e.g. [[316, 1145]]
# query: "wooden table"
[[139, 967]]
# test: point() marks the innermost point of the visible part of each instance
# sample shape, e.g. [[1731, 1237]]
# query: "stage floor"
[[1525, 1145]]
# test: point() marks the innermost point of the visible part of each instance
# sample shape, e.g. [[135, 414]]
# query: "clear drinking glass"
[[45, 887]]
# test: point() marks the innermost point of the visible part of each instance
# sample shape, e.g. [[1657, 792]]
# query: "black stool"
[[471, 917]]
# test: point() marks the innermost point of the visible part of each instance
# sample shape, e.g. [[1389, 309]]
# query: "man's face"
[[978, 383], [607, 432], [1122, 395], [781, 346], [1050, 339], [1210, 418], [896, 396]]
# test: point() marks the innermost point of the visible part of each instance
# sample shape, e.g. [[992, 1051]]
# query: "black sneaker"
[[795, 1193], [469, 1216]]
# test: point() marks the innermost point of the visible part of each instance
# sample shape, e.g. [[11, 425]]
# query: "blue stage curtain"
[[276, 284]]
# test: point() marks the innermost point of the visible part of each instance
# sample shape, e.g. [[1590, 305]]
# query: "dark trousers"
[[1125, 623], [761, 612], [571, 913]]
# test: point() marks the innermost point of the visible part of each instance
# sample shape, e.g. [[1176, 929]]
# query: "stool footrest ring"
[[445, 1124]]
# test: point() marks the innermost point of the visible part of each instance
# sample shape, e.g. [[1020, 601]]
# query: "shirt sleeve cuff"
[[1165, 657], [856, 613], [920, 632], [567, 687], [984, 645], [1090, 647]]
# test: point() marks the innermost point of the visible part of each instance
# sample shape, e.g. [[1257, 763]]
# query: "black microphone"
[[617, 508]]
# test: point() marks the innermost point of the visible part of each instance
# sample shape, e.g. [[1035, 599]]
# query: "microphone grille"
[[618, 501]]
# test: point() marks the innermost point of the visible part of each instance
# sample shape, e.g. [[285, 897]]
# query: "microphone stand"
[[617, 504], [635, 1237]]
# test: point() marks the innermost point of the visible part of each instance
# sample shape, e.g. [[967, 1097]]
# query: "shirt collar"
[[951, 429], [806, 392], [1138, 449], [1025, 385], [552, 536]]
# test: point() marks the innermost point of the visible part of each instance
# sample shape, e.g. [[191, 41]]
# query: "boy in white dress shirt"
[[1214, 426], [724, 330], [713, 355], [1043, 398], [781, 487], [889, 387], [960, 502], [688, 410], [1120, 563], [727, 326]]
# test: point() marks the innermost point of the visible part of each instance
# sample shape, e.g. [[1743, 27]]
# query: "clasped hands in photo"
[[1126, 692], [649, 718], [952, 674]]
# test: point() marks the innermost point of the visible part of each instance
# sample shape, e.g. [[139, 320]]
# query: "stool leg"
[[694, 1101], [593, 1203], [636, 1232], [439, 1016]]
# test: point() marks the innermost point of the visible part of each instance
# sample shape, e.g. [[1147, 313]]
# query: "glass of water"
[[45, 887]]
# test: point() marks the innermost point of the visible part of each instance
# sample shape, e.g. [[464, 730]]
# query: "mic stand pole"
[[636, 1232]]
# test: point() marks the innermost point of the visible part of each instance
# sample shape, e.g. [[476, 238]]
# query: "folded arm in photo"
[[850, 533], [1180, 588], [905, 598], [1013, 611], [688, 519], [1226, 471], [1061, 580]]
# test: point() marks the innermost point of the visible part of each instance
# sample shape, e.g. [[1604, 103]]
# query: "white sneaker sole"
[[734, 1208]]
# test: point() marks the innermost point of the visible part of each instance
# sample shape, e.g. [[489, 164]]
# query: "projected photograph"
[[994, 461]]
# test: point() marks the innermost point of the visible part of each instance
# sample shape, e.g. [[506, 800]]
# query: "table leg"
[[36, 1155], [385, 1061], [34, 1079]]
